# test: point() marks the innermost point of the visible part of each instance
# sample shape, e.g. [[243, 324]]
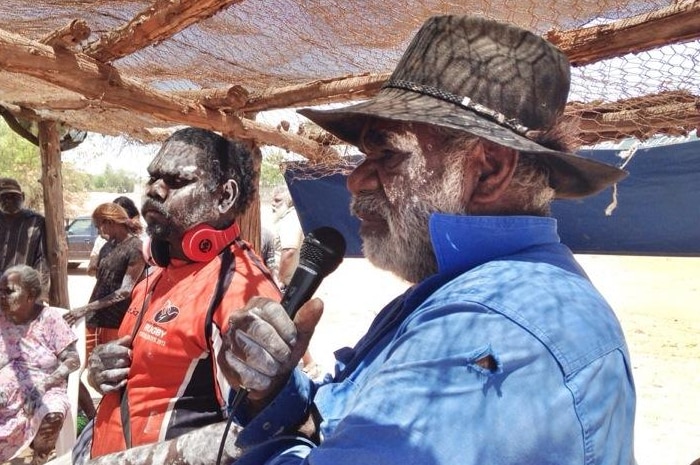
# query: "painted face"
[[280, 205], [178, 192], [404, 178], [11, 202], [277, 202], [14, 299]]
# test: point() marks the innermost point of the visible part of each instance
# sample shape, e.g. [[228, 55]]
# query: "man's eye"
[[176, 182], [391, 158]]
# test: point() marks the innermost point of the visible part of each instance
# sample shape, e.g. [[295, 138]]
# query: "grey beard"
[[405, 248], [159, 231]]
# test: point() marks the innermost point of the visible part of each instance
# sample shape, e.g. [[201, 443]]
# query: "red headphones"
[[200, 244]]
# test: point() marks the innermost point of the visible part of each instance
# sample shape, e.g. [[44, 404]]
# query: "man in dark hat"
[[502, 352], [22, 234]]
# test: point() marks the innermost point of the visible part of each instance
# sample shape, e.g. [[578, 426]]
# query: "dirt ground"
[[657, 300]]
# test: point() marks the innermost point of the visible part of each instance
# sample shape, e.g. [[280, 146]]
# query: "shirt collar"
[[463, 242]]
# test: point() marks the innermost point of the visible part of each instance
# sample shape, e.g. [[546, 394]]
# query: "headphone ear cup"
[[156, 252], [199, 243], [203, 243]]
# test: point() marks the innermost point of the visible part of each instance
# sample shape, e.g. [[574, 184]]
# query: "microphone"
[[320, 254]]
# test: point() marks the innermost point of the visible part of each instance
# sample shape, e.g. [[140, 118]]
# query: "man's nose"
[[157, 189], [363, 178]]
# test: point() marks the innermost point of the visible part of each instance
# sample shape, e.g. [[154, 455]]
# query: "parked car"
[[81, 235]]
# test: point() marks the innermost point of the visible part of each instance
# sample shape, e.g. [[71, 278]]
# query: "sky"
[[97, 151]]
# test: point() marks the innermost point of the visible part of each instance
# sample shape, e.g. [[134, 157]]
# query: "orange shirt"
[[174, 385]]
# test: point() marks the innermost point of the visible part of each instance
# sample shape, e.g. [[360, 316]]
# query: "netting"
[[267, 44]]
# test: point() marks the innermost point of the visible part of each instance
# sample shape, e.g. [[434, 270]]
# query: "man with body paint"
[[160, 378]]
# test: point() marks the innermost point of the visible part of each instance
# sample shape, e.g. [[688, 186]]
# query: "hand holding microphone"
[[263, 345]]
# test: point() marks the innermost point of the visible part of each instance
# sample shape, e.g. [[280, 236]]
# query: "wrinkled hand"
[[262, 345], [73, 316], [108, 366]]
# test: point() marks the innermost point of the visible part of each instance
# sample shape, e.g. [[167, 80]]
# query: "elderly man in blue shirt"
[[502, 352]]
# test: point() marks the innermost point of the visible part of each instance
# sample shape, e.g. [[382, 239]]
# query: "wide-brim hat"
[[484, 77]]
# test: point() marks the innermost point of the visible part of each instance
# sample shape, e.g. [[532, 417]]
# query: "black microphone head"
[[322, 250]]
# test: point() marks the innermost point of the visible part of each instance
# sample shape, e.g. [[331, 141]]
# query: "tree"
[[114, 181], [271, 169], [20, 159]]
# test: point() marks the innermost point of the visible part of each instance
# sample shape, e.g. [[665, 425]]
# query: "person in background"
[[37, 353], [267, 248], [22, 234], [161, 374], [132, 210], [502, 351], [288, 237], [120, 266]]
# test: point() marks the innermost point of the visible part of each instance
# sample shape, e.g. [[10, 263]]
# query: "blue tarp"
[[657, 209]]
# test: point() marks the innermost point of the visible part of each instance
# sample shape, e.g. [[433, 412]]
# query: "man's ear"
[[229, 196], [495, 166]]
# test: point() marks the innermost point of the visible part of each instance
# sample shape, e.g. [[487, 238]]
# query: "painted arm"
[[131, 277]]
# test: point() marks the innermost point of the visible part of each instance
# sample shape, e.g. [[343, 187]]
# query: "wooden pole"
[[250, 220], [52, 180]]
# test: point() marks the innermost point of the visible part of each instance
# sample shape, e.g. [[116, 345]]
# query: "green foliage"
[[20, 159], [114, 181], [271, 169]]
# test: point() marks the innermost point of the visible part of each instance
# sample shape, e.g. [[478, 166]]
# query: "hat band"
[[464, 102]]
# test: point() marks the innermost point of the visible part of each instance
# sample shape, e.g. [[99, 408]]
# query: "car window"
[[81, 227]]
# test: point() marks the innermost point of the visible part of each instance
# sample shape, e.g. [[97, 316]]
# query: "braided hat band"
[[464, 102]]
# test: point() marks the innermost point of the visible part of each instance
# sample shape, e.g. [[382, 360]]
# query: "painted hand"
[[73, 316], [108, 366], [262, 345]]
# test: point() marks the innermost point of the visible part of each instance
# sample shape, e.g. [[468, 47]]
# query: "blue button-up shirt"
[[508, 355]]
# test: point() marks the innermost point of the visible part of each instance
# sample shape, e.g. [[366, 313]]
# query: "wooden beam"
[[317, 92], [52, 181], [98, 81], [13, 124], [160, 21], [233, 97], [597, 126], [674, 24], [68, 36]]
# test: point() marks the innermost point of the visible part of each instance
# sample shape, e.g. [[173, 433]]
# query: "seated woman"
[[37, 353]]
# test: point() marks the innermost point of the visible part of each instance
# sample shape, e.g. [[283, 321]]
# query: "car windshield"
[[81, 227]]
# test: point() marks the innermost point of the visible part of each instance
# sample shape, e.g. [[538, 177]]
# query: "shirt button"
[[267, 425]]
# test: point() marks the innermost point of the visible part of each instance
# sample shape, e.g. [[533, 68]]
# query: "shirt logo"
[[167, 313]]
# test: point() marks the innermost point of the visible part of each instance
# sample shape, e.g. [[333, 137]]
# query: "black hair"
[[225, 159], [127, 204]]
